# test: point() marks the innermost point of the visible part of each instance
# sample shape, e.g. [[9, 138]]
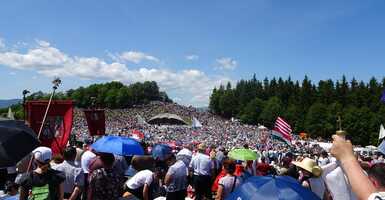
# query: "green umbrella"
[[243, 154]]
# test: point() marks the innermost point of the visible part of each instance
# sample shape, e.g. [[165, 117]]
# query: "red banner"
[[58, 124], [95, 121]]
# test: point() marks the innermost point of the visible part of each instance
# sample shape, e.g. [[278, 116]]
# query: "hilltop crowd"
[[215, 130]]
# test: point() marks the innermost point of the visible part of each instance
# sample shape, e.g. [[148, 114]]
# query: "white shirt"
[[323, 161], [85, 161], [201, 164], [377, 196], [140, 178], [337, 182], [227, 182]]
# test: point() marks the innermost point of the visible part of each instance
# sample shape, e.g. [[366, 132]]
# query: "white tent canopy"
[[196, 123]]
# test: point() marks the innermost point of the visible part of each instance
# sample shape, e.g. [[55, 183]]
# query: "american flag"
[[282, 129]]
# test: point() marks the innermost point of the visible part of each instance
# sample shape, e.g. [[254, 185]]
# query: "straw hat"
[[309, 165], [202, 147]]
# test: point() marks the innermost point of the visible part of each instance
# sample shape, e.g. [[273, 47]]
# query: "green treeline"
[[308, 107], [106, 95]]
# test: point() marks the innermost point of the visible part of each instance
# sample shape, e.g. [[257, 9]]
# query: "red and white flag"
[[137, 135], [282, 130]]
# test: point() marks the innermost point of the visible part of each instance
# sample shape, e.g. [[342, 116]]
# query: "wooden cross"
[[339, 121]]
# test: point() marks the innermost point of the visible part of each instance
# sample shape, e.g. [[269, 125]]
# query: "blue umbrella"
[[123, 146], [272, 188], [161, 151]]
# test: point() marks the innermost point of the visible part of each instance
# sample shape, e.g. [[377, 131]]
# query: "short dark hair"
[[9, 185], [69, 153], [324, 154], [79, 144], [229, 166], [377, 171], [108, 159]]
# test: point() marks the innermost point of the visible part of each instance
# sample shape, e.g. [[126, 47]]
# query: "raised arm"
[[343, 150]]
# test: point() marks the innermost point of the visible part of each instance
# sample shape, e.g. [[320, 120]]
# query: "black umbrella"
[[16, 141]]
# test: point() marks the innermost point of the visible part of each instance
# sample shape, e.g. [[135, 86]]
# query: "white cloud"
[[43, 43], [226, 63], [133, 56], [192, 86], [2, 44], [192, 57], [12, 73]]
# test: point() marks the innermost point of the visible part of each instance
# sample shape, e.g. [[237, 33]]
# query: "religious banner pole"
[[56, 82], [25, 92]]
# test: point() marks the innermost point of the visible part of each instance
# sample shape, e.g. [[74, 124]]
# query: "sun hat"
[[42, 154], [202, 147], [309, 165]]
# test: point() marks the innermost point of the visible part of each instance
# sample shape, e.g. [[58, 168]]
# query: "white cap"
[[42, 154], [185, 152]]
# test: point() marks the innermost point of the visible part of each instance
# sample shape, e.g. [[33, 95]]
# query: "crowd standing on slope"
[[199, 167]]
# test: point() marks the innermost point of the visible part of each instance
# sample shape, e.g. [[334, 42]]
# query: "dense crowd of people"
[[198, 167], [215, 130]]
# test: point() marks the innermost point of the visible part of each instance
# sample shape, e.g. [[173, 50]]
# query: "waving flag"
[[282, 130], [381, 148], [382, 132]]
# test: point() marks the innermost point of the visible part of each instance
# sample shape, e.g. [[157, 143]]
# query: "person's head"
[[107, 159], [57, 159], [289, 155], [324, 154], [69, 154], [87, 144], [11, 188], [159, 172], [309, 167], [376, 174], [246, 146], [229, 166], [263, 159], [170, 160], [79, 144], [202, 148], [42, 156]]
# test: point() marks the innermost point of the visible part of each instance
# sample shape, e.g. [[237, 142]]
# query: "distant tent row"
[[169, 119]]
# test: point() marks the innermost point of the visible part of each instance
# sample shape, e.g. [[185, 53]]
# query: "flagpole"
[[56, 82], [25, 92]]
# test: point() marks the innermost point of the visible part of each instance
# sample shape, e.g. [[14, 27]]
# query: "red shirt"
[[263, 169]]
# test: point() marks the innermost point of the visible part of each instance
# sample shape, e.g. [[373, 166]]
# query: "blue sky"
[[188, 47]]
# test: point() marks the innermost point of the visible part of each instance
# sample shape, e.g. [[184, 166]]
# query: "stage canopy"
[[167, 119]]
